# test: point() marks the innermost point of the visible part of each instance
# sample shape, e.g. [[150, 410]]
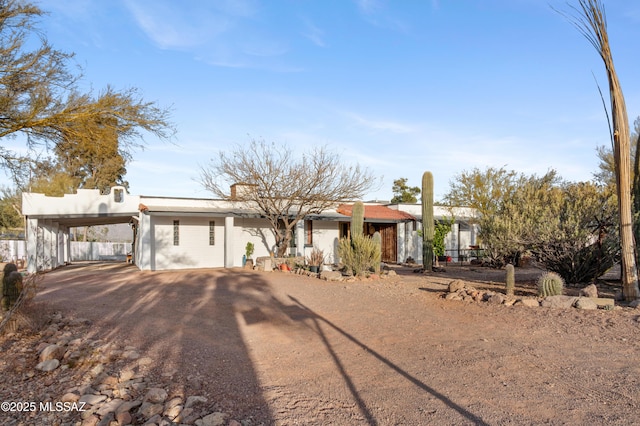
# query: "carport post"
[[228, 242]]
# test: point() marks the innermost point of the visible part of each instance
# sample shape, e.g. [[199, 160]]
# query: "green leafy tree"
[[403, 193], [10, 216], [40, 100], [483, 190]]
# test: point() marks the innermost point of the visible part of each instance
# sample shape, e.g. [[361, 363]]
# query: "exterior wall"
[[325, 237], [193, 250], [84, 201], [48, 242], [256, 231]]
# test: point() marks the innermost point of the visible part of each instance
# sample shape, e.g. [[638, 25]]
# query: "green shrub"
[[359, 255]]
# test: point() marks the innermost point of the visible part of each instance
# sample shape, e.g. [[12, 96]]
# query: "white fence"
[[13, 250], [81, 250]]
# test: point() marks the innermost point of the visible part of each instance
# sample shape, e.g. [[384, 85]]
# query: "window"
[[118, 195], [212, 233], [176, 232], [308, 233]]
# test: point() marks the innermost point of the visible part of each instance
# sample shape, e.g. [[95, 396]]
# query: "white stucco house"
[[181, 233]]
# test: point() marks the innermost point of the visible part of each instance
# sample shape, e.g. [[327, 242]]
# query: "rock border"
[[99, 383], [588, 300]]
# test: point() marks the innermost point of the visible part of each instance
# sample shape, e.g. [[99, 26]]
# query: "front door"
[[389, 236]]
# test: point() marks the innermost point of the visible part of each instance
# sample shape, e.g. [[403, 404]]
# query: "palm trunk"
[[594, 28]]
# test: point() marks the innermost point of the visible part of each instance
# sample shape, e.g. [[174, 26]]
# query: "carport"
[[50, 219]]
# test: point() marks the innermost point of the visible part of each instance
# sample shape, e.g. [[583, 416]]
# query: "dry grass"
[[26, 315]]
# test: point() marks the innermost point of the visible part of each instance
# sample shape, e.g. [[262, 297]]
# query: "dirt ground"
[[279, 348]]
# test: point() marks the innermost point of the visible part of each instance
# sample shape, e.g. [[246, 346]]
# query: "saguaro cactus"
[[511, 279], [377, 239], [357, 218], [428, 223]]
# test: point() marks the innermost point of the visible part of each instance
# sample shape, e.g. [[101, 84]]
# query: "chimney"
[[242, 191]]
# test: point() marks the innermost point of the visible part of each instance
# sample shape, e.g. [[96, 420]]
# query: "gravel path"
[[278, 348]]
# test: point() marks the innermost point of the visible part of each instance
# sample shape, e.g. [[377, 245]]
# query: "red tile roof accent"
[[374, 212]]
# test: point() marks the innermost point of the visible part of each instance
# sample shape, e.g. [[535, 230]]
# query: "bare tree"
[[591, 22], [283, 188]]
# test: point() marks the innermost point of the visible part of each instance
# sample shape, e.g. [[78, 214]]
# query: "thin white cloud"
[[381, 125], [224, 34], [369, 7], [376, 14], [313, 33], [173, 27]]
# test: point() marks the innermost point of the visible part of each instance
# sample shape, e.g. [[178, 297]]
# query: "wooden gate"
[[389, 235]]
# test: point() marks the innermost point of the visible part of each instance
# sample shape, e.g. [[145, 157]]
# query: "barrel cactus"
[[511, 279], [550, 284]]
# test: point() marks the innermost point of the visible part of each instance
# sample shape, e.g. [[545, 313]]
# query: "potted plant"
[[248, 252], [315, 260]]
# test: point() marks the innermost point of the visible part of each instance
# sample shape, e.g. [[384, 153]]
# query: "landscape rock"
[[496, 299], [48, 365], [109, 407], [635, 304], [92, 399], [149, 409], [156, 395], [586, 303], [529, 302], [195, 400], [456, 285], [214, 419], [589, 291], [52, 352], [559, 301], [331, 275], [70, 397], [123, 418]]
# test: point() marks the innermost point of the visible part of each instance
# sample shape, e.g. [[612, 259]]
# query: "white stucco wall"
[[86, 202], [193, 249], [325, 237]]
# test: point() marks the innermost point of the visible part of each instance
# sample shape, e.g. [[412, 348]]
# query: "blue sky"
[[400, 87]]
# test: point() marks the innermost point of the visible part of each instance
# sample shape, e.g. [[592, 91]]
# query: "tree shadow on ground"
[[185, 321], [318, 319]]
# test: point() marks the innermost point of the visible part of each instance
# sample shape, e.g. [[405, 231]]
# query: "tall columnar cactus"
[[511, 279], [550, 284], [428, 223], [377, 239], [357, 218]]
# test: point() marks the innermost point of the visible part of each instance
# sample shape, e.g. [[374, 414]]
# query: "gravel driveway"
[[279, 348]]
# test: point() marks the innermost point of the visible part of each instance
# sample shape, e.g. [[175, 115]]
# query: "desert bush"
[[585, 242], [24, 312], [359, 255]]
